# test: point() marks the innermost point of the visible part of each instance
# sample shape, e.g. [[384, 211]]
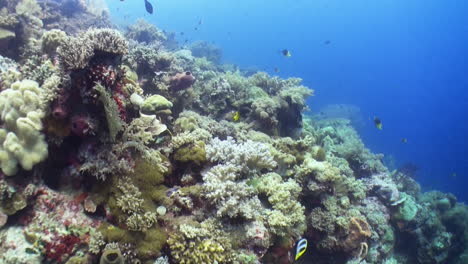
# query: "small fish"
[[404, 140], [196, 28], [453, 175], [186, 41], [29, 250], [236, 116], [276, 69], [378, 123], [327, 42], [200, 21], [300, 248], [286, 53], [182, 33], [149, 7]]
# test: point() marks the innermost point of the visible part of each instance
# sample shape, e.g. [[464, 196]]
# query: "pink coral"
[[182, 81]]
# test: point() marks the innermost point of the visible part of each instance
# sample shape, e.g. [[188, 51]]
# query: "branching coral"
[[21, 140], [287, 215], [199, 244], [231, 196], [247, 156], [131, 203]]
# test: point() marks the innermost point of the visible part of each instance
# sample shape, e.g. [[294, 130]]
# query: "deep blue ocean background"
[[405, 61]]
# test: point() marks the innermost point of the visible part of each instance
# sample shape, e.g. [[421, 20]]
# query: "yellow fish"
[[236, 116], [378, 123], [301, 248], [286, 53]]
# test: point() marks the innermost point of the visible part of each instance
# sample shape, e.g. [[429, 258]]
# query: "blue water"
[[403, 61]]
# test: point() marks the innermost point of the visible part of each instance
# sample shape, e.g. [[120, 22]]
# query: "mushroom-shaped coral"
[[51, 40], [76, 52], [182, 81]]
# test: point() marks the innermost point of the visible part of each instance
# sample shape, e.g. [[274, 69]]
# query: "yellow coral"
[[20, 138]]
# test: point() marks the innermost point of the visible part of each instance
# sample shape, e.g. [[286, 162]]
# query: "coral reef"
[[126, 148]]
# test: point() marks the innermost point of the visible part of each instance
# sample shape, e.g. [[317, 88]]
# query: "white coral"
[[232, 198], [249, 155]]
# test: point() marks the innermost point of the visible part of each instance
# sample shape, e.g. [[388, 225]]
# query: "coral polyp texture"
[[123, 147]]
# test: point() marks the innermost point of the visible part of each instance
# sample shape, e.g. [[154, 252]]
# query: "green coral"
[[13, 204], [288, 214], [148, 244], [193, 153], [114, 123], [194, 244], [407, 210], [51, 40], [156, 104]]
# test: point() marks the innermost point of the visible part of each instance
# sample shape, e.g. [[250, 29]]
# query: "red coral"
[[118, 98], [61, 247]]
